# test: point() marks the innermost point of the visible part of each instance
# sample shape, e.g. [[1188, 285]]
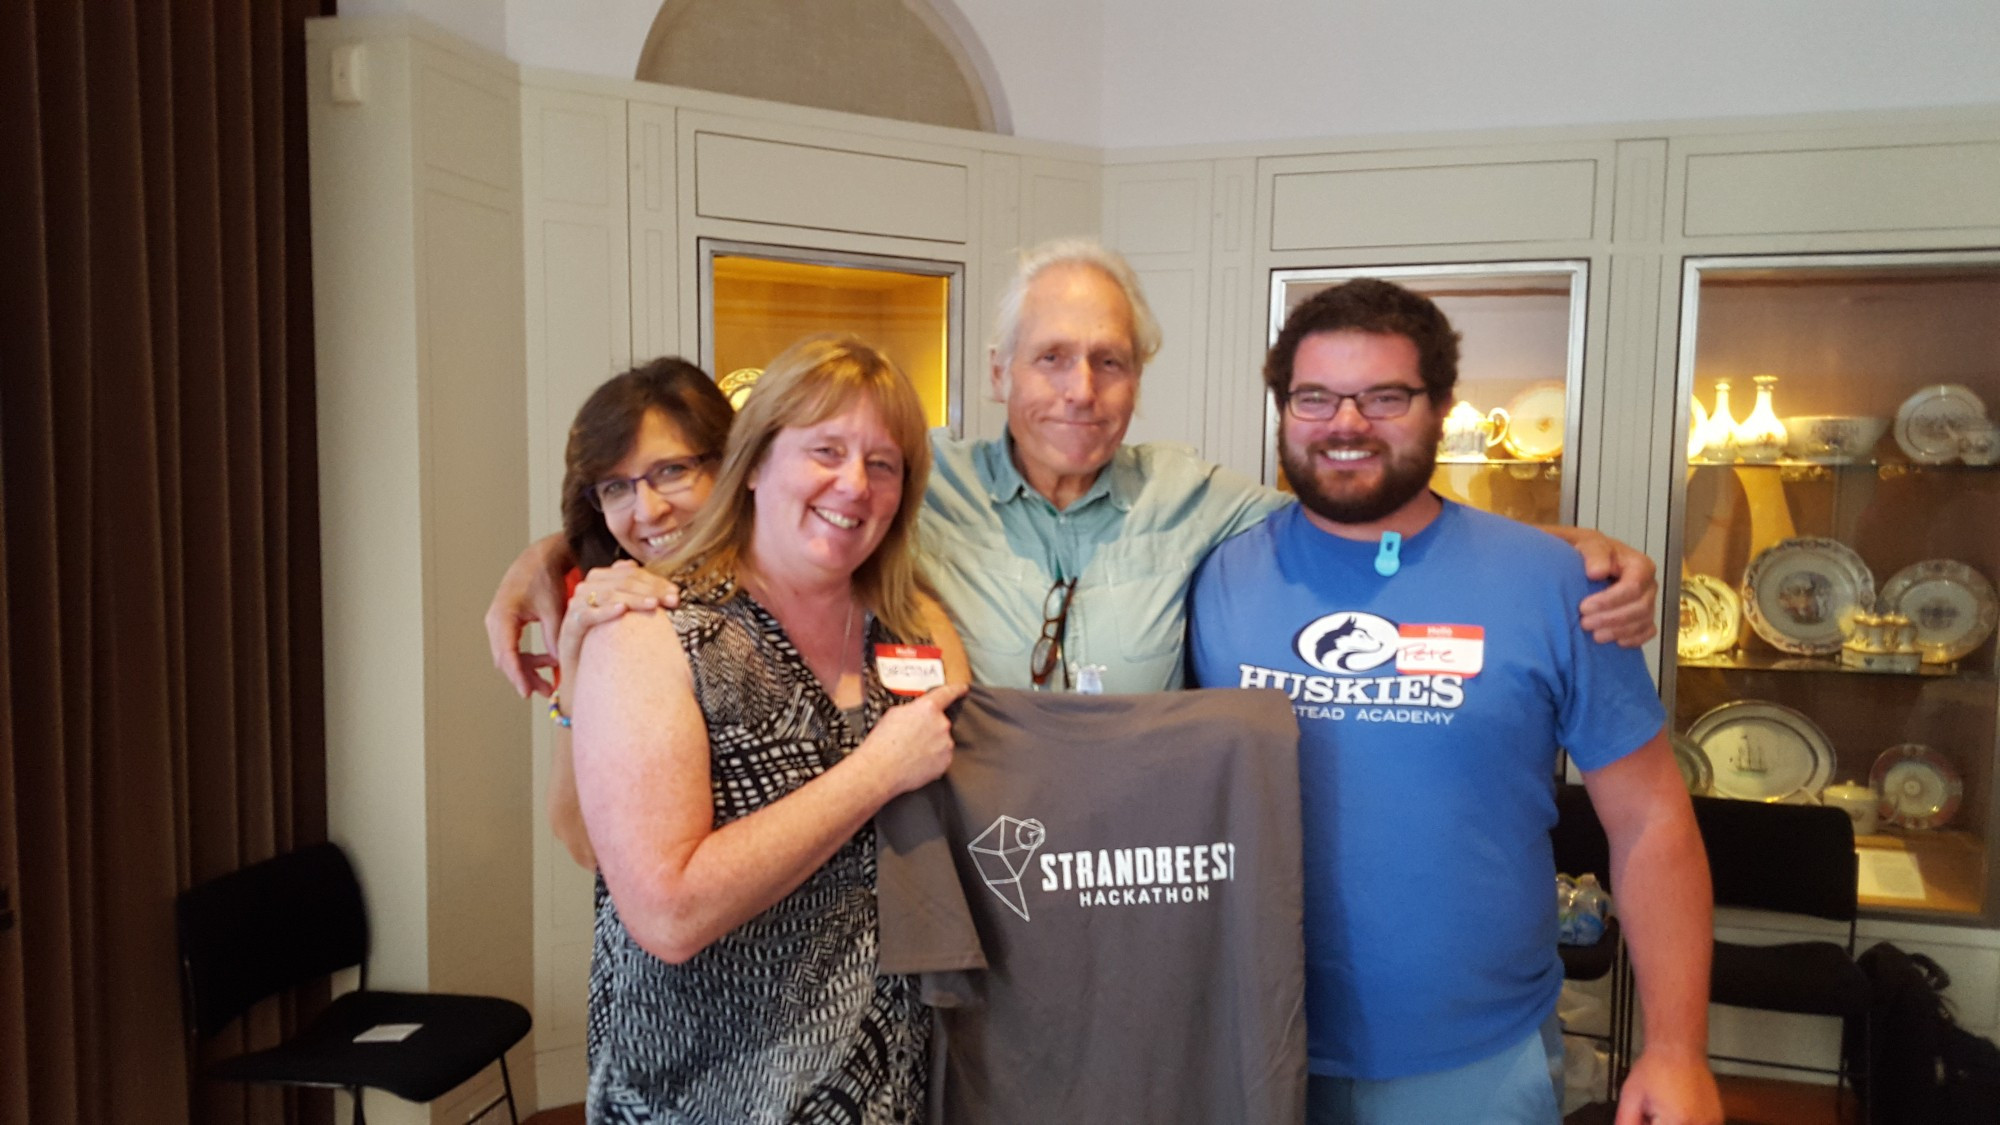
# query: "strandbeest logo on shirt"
[[1142, 875]]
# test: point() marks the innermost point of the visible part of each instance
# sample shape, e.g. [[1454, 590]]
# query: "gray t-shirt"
[[1121, 876]]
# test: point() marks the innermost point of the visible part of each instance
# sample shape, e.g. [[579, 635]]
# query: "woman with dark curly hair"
[[640, 463]]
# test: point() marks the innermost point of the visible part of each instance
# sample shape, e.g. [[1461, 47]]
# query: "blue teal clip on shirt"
[[1389, 559]]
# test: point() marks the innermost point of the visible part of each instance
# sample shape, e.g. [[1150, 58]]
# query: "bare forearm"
[[643, 773], [565, 814], [1666, 904], [686, 898]]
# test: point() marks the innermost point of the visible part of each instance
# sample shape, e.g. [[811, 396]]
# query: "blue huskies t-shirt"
[[1431, 705]]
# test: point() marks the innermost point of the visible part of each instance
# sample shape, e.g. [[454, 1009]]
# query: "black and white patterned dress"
[[783, 1019]]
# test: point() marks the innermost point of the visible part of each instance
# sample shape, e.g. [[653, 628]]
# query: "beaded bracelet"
[[556, 712]]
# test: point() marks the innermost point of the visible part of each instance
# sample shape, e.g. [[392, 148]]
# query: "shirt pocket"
[[1136, 609], [995, 598]]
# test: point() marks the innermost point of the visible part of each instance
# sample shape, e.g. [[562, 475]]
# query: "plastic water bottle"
[[1583, 919]]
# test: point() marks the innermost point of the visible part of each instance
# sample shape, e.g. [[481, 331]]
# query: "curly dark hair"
[[1370, 305], [608, 423]]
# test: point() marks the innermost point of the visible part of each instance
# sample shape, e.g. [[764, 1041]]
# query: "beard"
[[1405, 474]]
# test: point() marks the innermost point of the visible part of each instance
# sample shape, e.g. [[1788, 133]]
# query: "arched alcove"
[[912, 60]]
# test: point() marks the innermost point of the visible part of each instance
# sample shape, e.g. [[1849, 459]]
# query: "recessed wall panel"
[[1451, 204], [771, 182], [1908, 187]]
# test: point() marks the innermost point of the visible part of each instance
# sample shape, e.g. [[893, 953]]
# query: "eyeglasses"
[[1377, 404], [667, 479], [1047, 658]]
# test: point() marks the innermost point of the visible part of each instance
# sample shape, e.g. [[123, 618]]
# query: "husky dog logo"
[[1347, 643], [1002, 853]]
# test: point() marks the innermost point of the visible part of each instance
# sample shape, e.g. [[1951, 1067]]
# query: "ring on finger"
[[593, 599]]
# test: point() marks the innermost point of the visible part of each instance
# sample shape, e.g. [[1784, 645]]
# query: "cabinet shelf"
[[1739, 660], [1951, 864], [1820, 470], [1551, 466]]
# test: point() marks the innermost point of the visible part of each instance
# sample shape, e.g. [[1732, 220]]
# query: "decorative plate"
[[1920, 788], [1951, 604], [736, 385], [1535, 423], [1762, 751], [1800, 593], [1928, 422], [1711, 617], [1696, 772]]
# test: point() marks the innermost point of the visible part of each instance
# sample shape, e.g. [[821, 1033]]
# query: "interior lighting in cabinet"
[[1510, 429], [759, 305], [1885, 371]]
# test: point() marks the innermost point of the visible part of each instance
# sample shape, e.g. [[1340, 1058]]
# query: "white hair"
[[1075, 252]]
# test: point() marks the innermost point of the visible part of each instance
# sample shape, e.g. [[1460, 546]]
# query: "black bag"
[[1922, 1068]]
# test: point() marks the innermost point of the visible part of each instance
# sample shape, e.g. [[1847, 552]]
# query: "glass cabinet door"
[[757, 300], [1520, 366], [1838, 535]]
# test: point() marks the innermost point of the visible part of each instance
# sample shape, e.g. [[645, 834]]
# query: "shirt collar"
[[1120, 481]]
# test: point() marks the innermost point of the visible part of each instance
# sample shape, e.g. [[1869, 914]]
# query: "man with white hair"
[[1062, 553]]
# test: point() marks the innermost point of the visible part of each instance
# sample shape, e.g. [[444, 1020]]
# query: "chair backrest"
[[271, 926], [1578, 837], [1796, 859]]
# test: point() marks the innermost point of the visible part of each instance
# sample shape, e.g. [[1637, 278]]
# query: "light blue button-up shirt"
[[994, 546]]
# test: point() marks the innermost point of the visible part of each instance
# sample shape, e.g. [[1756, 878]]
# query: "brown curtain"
[[160, 697]]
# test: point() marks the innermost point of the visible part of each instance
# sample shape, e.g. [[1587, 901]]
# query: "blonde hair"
[[813, 380]]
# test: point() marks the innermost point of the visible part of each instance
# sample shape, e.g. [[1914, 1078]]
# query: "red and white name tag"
[[909, 669], [1458, 650]]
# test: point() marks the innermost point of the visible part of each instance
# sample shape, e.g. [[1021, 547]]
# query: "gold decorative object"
[[1881, 642], [736, 385]]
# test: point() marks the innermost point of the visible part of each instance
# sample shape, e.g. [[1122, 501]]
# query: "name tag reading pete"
[[910, 669]]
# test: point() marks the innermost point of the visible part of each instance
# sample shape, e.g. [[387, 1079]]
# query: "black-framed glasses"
[[670, 479], [1047, 658], [1377, 404]]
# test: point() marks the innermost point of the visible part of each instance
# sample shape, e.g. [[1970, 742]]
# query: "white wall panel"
[[478, 755], [1527, 201], [787, 184], [1058, 198], [580, 302], [1236, 336], [653, 208], [1838, 191], [468, 129], [1001, 240], [1173, 391], [1157, 215]]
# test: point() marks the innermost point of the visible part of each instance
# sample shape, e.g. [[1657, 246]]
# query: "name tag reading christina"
[[1437, 649], [910, 669]]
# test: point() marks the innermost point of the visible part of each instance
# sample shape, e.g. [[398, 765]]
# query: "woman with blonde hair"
[[731, 754]]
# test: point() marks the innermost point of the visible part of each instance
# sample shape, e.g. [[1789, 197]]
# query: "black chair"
[[297, 918], [1581, 848], [1790, 859]]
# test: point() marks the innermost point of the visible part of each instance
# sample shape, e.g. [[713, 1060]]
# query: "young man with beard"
[[1431, 654]]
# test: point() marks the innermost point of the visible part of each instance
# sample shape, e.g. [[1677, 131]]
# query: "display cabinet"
[[1837, 533], [757, 299], [1520, 366]]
